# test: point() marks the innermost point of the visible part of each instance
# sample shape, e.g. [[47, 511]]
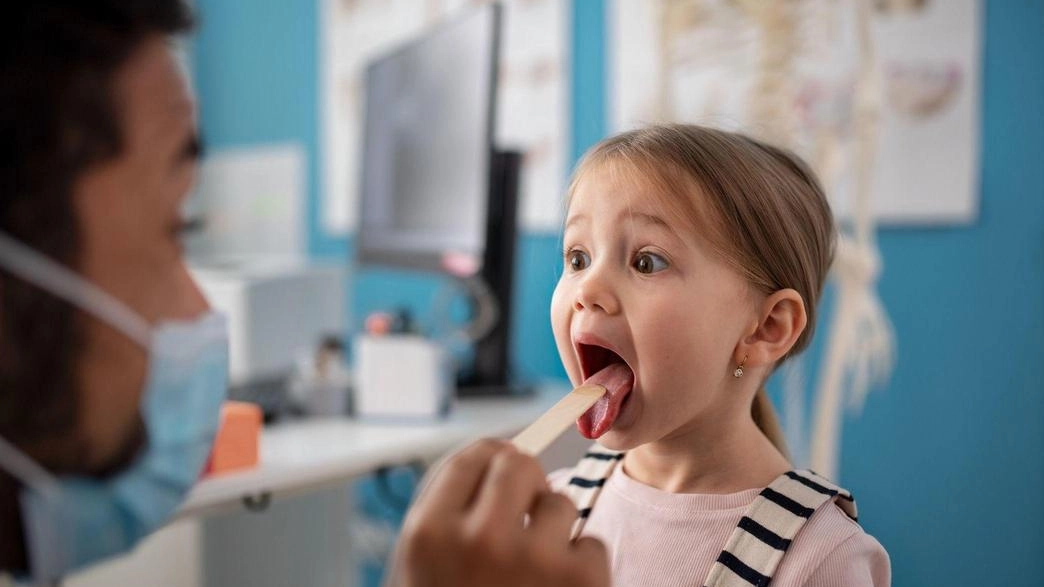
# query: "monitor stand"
[[489, 373]]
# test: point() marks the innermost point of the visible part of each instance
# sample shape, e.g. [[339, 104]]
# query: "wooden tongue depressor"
[[541, 433]]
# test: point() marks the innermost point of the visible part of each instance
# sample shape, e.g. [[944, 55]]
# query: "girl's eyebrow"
[[642, 217], [575, 219], [652, 219]]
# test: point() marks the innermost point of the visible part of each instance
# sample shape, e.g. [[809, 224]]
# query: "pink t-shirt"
[[660, 538]]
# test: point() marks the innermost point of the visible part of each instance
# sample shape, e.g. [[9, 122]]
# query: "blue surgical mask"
[[72, 522]]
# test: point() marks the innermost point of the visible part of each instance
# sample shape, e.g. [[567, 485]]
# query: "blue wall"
[[946, 461]]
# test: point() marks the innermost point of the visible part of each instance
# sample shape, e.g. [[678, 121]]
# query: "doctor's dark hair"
[[758, 206], [59, 117]]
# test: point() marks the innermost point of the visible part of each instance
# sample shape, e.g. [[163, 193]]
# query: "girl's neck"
[[707, 458]]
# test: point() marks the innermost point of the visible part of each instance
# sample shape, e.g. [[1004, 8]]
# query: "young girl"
[[694, 260]]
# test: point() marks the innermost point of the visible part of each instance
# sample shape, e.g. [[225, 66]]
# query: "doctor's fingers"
[[589, 562], [453, 485], [511, 488], [552, 519]]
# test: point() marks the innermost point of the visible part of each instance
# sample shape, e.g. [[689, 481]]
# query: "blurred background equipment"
[[402, 376], [277, 310], [322, 382], [437, 194]]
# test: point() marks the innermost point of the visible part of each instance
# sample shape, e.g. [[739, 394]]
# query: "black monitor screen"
[[427, 146]]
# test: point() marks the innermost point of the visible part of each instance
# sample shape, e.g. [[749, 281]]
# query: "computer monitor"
[[436, 194], [427, 146]]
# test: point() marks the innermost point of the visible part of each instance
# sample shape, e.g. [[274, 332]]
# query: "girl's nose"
[[596, 292]]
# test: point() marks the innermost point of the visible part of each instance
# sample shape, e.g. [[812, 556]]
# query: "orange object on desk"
[[236, 445]]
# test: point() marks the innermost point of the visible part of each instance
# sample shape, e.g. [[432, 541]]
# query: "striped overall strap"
[[755, 548], [589, 476]]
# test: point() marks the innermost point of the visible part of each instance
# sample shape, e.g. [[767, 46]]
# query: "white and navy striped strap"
[[757, 545], [588, 478]]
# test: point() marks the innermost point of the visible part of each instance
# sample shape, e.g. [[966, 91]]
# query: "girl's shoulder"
[[832, 549], [558, 480]]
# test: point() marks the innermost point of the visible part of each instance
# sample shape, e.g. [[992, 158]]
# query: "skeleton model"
[[802, 89]]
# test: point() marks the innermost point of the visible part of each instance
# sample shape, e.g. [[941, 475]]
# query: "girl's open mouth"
[[602, 366]]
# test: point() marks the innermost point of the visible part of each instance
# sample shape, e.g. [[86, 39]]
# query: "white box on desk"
[[401, 376]]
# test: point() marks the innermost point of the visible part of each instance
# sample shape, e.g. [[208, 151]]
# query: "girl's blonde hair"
[[762, 210]]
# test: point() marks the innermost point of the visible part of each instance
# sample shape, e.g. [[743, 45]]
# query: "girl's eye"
[[649, 263], [577, 260]]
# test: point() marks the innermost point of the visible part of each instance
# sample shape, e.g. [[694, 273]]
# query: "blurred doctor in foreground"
[[113, 367]]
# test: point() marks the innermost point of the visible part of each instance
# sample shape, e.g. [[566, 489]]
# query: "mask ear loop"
[[44, 272], [45, 485], [26, 470]]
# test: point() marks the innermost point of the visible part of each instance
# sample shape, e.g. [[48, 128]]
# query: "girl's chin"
[[621, 440], [620, 437]]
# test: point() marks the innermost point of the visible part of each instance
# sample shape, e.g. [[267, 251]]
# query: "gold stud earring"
[[739, 370]]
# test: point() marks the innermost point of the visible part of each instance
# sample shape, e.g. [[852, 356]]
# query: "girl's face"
[[639, 282]]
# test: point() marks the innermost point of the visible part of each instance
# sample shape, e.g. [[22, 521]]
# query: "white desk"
[[305, 540], [304, 455]]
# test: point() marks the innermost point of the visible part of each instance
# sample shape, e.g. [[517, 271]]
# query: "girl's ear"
[[782, 320]]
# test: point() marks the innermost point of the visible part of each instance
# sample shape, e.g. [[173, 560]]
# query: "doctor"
[[113, 367]]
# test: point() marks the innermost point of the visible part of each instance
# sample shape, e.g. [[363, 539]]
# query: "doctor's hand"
[[467, 528]]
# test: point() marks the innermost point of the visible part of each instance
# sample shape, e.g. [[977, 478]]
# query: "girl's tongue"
[[617, 379]]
